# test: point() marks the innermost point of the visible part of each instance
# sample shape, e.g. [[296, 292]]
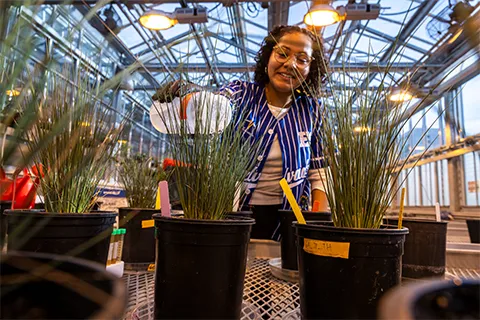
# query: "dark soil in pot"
[[425, 247], [83, 235], [139, 242], [344, 272], [288, 240], [44, 286], [200, 267]]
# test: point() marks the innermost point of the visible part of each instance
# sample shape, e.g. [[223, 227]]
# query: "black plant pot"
[[4, 205], [139, 242], [344, 272], [244, 214], [474, 230], [200, 267], [425, 248], [83, 235], [288, 240], [45, 286], [435, 299]]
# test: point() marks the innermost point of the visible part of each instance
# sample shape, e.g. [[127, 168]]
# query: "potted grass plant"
[[203, 254], [354, 260], [76, 288], [140, 176], [73, 142], [425, 247], [346, 266]]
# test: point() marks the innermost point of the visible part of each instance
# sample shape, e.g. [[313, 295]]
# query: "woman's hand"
[[174, 89]]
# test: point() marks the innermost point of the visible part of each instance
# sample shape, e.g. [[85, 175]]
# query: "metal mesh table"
[[264, 295]]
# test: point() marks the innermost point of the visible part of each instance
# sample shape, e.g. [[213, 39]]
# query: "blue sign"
[[111, 193]]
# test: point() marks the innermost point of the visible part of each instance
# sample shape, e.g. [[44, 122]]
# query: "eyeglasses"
[[302, 60]]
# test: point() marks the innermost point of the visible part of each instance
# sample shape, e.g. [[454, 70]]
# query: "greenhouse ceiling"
[[426, 38]]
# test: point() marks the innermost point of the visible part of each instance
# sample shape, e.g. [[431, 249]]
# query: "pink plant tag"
[[165, 199]]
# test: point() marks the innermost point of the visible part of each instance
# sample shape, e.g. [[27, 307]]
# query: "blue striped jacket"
[[299, 143]]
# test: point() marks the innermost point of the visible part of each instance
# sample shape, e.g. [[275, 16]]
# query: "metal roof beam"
[[402, 38], [119, 45], [140, 55], [467, 74], [142, 35], [240, 67], [413, 37], [238, 31], [410, 27], [353, 26], [228, 41], [278, 14], [399, 43], [450, 53], [198, 39]]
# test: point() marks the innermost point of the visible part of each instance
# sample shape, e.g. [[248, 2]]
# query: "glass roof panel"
[[234, 33]]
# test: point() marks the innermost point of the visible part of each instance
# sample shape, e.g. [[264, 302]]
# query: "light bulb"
[[157, 20], [400, 96], [321, 15]]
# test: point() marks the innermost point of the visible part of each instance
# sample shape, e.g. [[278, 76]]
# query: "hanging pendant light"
[[322, 14], [157, 20], [400, 95]]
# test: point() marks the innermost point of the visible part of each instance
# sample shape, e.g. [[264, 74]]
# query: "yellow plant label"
[[151, 267], [148, 224], [327, 248]]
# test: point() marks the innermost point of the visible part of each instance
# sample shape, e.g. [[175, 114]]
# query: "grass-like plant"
[[77, 141], [213, 158], [363, 139], [362, 150], [140, 176]]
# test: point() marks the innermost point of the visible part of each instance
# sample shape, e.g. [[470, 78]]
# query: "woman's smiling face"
[[285, 77]]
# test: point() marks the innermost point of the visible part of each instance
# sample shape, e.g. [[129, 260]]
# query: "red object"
[[183, 106], [25, 191], [6, 186], [167, 162], [38, 172]]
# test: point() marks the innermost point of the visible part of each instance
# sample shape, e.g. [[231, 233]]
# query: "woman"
[[278, 108]]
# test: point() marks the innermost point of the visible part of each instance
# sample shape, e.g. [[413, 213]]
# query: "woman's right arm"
[[182, 106]]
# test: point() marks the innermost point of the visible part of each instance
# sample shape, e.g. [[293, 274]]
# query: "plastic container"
[[200, 267], [434, 299], [425, 247], [111, 247], [343, 272], [83, 235], [474, 230], [73, 289], [116, 234], [139, 241], [288, 240], [4, 205], [120, 241]]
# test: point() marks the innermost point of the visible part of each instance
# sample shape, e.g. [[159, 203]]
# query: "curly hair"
[[318, 67]]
